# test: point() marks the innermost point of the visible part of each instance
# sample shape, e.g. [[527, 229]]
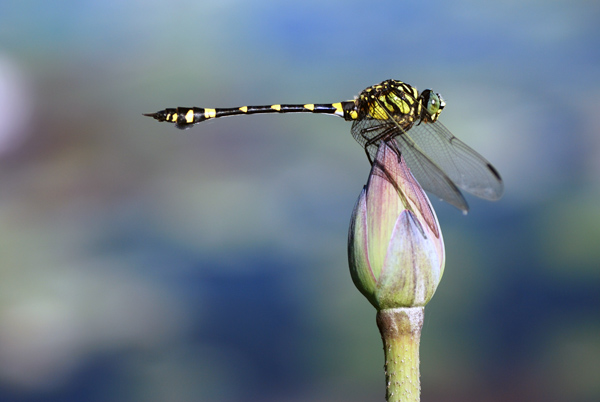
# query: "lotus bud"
[[395, 246]]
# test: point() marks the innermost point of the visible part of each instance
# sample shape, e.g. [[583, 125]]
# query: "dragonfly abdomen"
[[185, 117]]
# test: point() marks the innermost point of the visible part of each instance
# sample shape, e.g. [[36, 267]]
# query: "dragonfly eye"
[[434, 104]]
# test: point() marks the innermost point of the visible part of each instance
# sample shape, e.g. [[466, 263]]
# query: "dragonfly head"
[[433, 104]]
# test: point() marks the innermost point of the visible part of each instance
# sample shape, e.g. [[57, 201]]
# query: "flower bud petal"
[[358, 249], [412, 268]]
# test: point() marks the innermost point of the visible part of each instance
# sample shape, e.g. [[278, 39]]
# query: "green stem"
[[401, 332]]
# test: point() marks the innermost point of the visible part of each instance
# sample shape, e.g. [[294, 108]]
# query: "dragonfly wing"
[[370, 132], [463, 165], [429, 175]]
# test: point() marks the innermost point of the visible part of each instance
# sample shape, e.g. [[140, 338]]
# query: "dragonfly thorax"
[[398, 101]]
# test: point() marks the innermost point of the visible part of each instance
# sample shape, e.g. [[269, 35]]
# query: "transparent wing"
[[464, 166], [423, 168], [429, 175]]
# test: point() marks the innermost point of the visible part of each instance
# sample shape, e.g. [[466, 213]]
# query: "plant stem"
[[401, 333]]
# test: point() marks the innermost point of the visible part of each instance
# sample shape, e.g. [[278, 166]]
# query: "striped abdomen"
[[185, 117]]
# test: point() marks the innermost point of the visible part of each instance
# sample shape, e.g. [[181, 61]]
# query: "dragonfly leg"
[[372, 144], [368, 155]]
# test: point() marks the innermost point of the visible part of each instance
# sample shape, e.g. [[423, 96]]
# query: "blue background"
[[141, 263]]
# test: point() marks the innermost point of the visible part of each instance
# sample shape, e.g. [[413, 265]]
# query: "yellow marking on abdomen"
[[244, 109], [309, 106], [339, 111], [209, 113], [276, 107], [189, 116], [172, 117]]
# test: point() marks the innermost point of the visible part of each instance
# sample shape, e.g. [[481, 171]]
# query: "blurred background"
[[143, 263]]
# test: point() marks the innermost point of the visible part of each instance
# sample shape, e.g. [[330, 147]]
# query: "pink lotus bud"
[[395, 246]]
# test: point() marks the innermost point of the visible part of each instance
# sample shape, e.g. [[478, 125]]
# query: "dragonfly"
[[396, 113]]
